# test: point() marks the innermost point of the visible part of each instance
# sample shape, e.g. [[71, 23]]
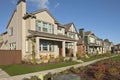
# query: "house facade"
[[107, 46], [95, 45], [116, 48], [50, 37]]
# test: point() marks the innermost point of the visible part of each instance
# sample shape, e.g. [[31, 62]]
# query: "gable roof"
[[11, 18], [89, 33], [67, 26], [39, 11]]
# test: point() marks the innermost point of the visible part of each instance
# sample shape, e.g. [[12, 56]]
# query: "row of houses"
[[91, 44], [49, 35]]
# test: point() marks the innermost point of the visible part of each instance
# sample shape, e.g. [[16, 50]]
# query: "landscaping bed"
[[108, 69]]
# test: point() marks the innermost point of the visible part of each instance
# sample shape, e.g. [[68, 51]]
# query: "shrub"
[[74, 70], [48, 76], [65, 72], [113, 71], [78, 55], [32, 78], [99, 75]]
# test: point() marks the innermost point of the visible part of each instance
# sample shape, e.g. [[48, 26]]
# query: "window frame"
[[49, 45], [12, 46]]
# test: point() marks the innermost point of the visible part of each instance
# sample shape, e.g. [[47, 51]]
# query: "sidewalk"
[[20, 77], [3, 74]]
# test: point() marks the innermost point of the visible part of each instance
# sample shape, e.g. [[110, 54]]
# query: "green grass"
[[97, 57], [116, 57], [21, 69]]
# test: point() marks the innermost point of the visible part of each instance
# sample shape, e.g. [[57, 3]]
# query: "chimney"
[[21, 1], [21, 23], [82, 33], [21, 7]]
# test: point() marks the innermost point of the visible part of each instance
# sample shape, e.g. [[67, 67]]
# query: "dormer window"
[[60, 30]]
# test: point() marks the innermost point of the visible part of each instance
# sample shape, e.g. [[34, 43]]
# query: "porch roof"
[[47, 35]]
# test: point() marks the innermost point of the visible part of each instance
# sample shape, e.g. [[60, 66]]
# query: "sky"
[[102, 17]]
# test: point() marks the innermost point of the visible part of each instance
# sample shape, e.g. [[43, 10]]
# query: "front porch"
[[95, 49], [55, 47]]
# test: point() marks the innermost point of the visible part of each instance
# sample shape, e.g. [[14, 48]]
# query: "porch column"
[[37, 47], [63, 49], [74, 49]]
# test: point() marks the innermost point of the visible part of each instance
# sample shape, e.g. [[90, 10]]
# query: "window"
[[10, 31], [92, 40], [51, 46], [72, 35], [26, 46], [38, 25], [51, 28], [59, 30], [12, 46], [44, 27], [46, 46]]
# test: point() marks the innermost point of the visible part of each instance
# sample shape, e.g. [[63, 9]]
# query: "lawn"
[[22, 69], [97, 57]]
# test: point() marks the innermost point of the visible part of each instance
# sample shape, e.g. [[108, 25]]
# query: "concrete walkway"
[[3, 74], [20, 77]]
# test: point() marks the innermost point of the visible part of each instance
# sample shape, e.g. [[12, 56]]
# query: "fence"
[[10, 57]]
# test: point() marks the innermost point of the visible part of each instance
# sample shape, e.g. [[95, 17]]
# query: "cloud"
[[57, 5], [41, 3]]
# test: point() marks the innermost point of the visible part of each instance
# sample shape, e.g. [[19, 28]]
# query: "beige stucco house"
[[50, 36]]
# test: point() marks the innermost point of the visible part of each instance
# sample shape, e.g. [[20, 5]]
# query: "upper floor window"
[[72, 35], [92, 40], [70, 29], [60, 30], [10, 31], [38, 25], [44, 27]]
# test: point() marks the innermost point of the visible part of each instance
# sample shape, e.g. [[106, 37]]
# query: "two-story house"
[[92, 43], [107, 46], [50, 36]]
